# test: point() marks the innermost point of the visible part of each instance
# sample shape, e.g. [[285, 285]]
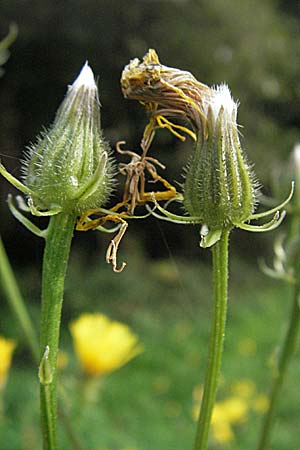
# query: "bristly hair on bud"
[[219, 183], [221, 98], [69, 167]]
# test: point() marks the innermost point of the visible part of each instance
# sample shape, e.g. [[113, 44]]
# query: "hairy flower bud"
[[69, 167], [219, 185]]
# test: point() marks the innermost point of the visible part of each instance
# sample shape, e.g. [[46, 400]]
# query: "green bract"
[[69, 166]]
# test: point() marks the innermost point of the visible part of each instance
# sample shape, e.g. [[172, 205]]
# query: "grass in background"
[[149, 403]]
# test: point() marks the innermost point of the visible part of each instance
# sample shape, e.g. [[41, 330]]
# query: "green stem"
[[15, 300], [56, 255], [284, 359], [220, 280], [289, 342], [18, 306]]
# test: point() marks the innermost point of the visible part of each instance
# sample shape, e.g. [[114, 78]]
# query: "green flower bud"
[[69, 167], [219, 184]]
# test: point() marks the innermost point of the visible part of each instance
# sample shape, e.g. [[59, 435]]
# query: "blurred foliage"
[[251, 45], [149, 404], [5, 43]]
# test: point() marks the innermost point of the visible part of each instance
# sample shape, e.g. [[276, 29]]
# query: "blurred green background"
[[165, 291]]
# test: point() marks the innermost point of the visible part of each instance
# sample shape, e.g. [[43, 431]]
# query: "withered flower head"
[[176, 91]]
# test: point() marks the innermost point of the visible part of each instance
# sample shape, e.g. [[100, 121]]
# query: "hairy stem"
[[286, 353], [56, 255], [220, 280], [18, 306]]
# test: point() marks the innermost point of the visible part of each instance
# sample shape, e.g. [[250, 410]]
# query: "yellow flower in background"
[[232, 410], [229, 412], [7, 347], [62, 360], [102, 345], [235, 409], [222, 432], [244, 388], [247, 347], [261, 403], [198, 393]]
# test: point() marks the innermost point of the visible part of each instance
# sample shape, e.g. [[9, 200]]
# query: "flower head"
[[233, 410], [222, 432], [7, 347], [244, 388], [69, 169], [226, 414], [177, 91], [102, 345], [220, 188], [69, 166], [261, 403]]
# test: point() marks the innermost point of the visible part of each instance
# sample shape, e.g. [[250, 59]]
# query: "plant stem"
[[56, 255], [289, 342], [18, 306], [220, 280], [16, 302], [284, 359]]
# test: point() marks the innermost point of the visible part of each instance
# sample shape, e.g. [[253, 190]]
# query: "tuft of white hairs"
[[85, 78], [221, 98]]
